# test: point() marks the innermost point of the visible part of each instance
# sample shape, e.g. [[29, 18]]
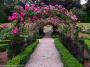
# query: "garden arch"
[[38, 16], [34, 18]]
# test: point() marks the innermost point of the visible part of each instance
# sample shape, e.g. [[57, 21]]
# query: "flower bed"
[[22, 58], [68, 59]]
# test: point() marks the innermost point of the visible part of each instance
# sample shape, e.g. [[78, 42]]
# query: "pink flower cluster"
[[43, 10], [34, 18], [15, 15], [74, 18], [33, 8], [3, 26], [15, 31], [54, 20], [27, 7], [47, 9]]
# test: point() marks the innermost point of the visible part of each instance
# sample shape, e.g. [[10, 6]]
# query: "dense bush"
[[87, 41], [3, 17], [68, 59], [85, 19], [22, 58], [3, 47]]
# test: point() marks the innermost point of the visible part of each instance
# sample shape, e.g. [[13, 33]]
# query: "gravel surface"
[[45, 55]]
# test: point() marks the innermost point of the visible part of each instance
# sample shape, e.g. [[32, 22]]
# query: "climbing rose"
[[74, 18], [10, 18], [26, 7], [34, 18], [60, 6], [15, 31], [14, 17], [3, 26], [37, 10], [51, 7], [22, 14], [42, 4], [32, 5], [21, 19], [15, 14]]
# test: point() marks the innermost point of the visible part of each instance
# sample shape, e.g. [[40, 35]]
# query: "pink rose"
[[15, 14], [15, 31], [32, 5], [34, 18], [37, 10], [10, 18], [74, 18], [22, 14], [26, 7], [22, 19], [42, 4], [14, 17], [3, 26]]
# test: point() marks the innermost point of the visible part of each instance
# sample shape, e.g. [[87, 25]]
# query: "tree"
[[88, 8]]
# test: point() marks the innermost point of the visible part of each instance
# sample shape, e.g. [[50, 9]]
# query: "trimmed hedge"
[[4, 45], [87, 42], [68, 59], [22, 58]]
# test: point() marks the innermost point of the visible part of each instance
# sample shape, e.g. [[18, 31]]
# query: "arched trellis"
[[38, 17], [45, 14]]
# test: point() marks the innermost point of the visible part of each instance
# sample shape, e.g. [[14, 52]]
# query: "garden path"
[[45, 55]]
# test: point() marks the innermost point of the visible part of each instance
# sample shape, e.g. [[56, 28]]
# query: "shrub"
[[3, 17], [4, 45], [68, 59], [22, 58], [87, 42], [2, 49]]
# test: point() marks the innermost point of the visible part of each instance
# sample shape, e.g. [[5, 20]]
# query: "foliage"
[[3, 47], [5, 33], [61, 16], [3, 17], [68, 59], [30, 14], [82, 13], [79, 12], [22, 58], [87, 43]]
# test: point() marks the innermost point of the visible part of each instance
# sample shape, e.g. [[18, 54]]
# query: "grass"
[[22, 58], [67, 58]]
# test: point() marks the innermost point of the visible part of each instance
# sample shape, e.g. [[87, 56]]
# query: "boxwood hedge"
[[67, 58], [22, 58]]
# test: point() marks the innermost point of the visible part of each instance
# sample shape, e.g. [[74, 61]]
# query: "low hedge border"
[[67, 58], [22, 58]]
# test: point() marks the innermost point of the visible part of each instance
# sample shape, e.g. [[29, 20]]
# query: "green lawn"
[[85, 25]]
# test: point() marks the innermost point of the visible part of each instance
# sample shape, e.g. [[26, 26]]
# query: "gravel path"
[[45, 55]]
